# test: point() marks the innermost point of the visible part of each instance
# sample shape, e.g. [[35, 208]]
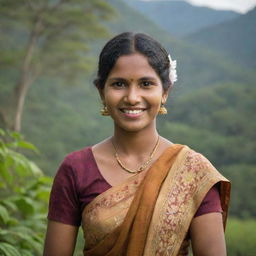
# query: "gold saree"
[[150, 213]]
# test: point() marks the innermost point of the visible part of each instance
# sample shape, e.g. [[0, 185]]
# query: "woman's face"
[[133, 93]]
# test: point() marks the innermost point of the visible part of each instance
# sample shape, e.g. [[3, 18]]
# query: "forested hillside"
[[219, 122], [234, 39], [180, 18], [209, 66]]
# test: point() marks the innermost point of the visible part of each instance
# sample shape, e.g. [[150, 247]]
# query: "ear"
[[101, 93], [165, 96]]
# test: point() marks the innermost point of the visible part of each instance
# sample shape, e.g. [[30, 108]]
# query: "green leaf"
[[5, 174], [9, 236], [26, 253], [33, 244], [27, 145], [43, 194], [34, 169], [8, 202], [3, 233], [46, 180], [12, 144], [16, 135], [4, 215], [2, 132], [8, 250], [25, 205]]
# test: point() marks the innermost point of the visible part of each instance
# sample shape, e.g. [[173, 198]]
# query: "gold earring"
[[104, 111], [162, 110]]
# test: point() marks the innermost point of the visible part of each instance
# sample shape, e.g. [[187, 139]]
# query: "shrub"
[[24, 194]]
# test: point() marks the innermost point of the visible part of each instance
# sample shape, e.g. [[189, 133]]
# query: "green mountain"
[[180, 18], [234, 39], [208, 66]]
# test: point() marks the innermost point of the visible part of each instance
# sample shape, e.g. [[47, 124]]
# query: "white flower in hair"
[[172, 71]]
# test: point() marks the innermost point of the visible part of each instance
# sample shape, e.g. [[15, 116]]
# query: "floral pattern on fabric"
[[189, 177], [108, 210]]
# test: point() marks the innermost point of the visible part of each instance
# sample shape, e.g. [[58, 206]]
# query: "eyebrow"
[[147, 78], [141, 79], [117, 78]]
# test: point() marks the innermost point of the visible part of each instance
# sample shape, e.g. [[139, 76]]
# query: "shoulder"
[[197, 162], [76, 157], [196, 158], [74, 163]]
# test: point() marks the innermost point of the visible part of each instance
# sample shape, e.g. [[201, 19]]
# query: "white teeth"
[[137, 111]]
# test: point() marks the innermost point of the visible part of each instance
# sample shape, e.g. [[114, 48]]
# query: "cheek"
[[157, 104], [155, 98], [111, 98]]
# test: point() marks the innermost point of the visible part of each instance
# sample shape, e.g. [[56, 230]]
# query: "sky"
[[235, 5], [241, 6]]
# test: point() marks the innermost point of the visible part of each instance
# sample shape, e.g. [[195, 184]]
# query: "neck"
[[138, 143]]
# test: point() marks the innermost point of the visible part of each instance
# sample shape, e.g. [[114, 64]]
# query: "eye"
[[118, 84], [146, 83]]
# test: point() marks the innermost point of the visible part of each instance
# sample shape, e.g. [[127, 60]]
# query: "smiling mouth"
[[132, 111]]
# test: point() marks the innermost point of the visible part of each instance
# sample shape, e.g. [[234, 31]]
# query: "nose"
[[132, 96]]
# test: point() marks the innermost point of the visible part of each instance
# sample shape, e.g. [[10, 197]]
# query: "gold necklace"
[[143, 166]]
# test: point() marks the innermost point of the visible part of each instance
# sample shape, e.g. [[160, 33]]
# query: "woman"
[[137, 193]]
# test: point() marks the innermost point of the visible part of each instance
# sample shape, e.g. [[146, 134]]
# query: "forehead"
[[134, 65]]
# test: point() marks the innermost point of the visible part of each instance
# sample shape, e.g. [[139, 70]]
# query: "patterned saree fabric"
[[151, 212]]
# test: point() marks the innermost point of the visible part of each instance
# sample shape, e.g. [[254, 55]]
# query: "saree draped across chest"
[[151, 212]]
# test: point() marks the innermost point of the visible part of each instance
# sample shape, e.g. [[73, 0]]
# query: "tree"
[[45, 38]]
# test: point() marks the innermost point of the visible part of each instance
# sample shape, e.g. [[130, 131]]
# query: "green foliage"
[[241, 237], [24, 194]]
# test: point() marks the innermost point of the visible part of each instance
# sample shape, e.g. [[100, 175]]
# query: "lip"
[[132, 112]]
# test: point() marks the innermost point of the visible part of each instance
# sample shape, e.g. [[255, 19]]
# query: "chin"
[[134, 127]]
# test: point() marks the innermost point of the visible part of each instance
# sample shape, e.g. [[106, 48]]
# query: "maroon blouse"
[[78, 181]]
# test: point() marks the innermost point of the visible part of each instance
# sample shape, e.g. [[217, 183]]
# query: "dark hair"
[[128, 43]]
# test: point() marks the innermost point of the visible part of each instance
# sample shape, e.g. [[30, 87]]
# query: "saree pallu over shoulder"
[[151, 212]]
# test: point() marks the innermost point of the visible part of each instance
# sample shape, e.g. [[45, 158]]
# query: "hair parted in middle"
[[128, 43]]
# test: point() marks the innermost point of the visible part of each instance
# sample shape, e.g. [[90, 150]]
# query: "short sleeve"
[[211, 202], [64, 203]]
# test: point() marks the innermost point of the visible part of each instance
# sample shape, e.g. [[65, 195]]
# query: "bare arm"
[[60, 239], [207, 235]]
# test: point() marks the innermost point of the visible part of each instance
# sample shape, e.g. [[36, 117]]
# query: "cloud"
[[235, 5]]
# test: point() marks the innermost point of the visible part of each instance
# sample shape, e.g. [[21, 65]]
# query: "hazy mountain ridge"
[[180, 18], [209, 66], [235, 39]]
